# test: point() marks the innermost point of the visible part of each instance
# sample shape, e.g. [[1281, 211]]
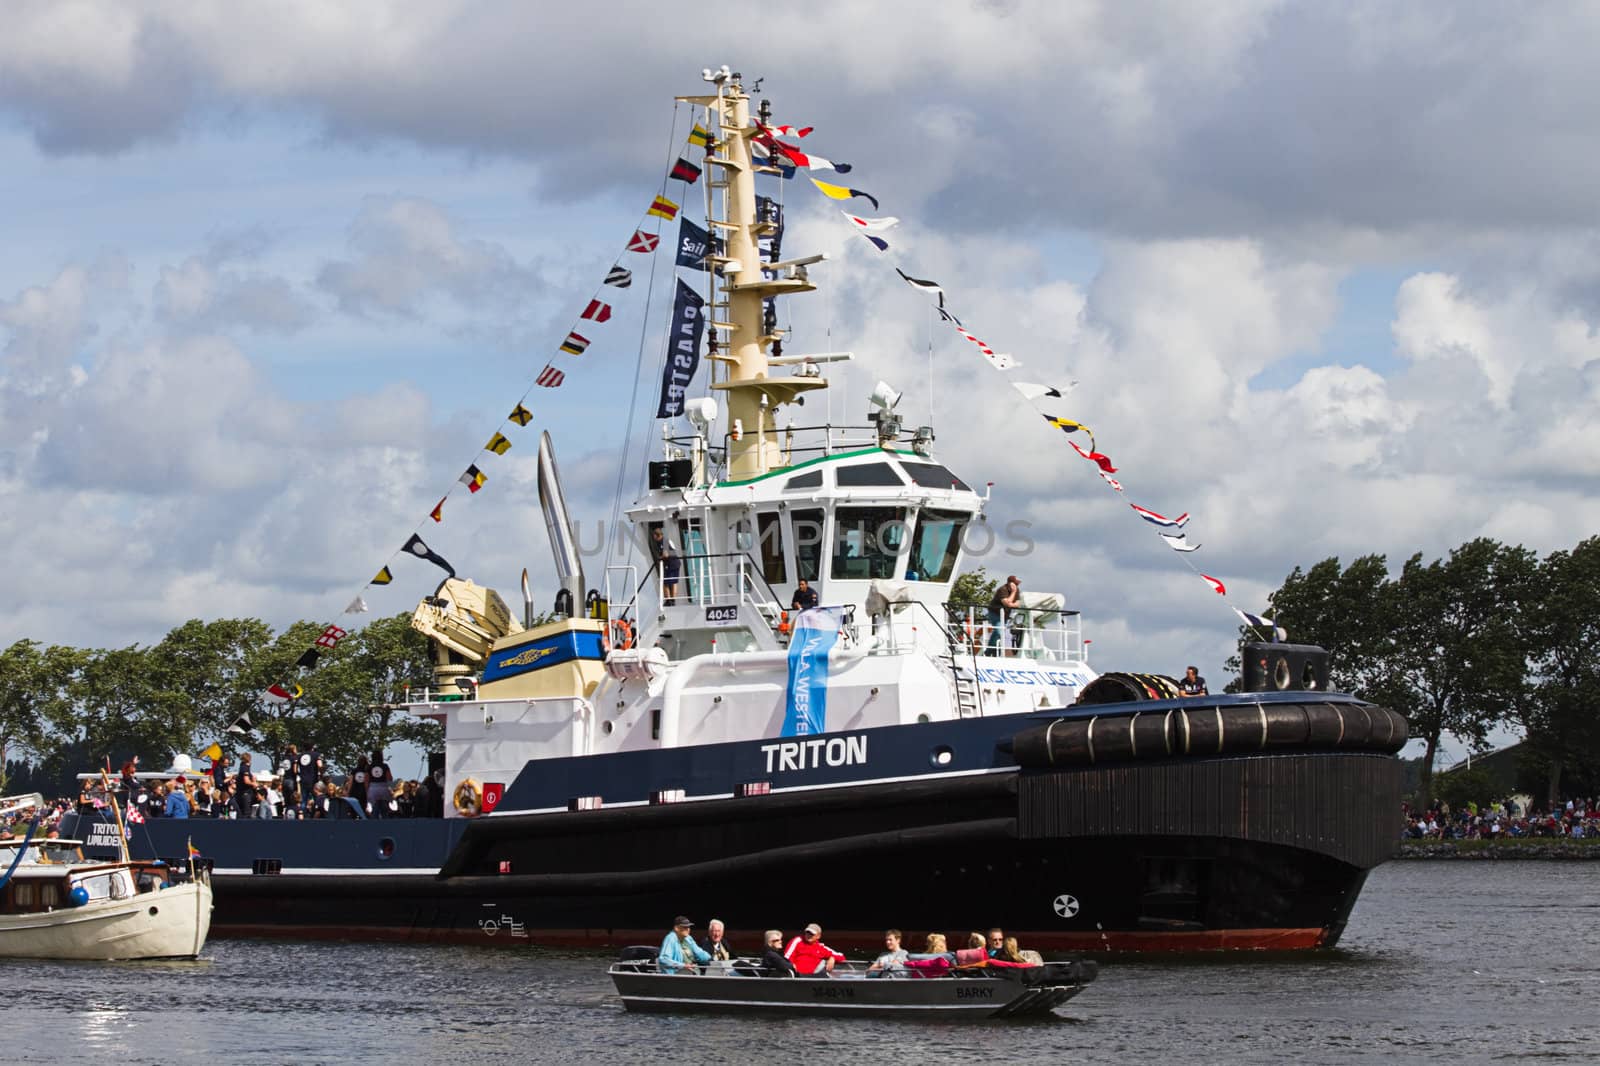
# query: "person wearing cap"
[[811, 957], [679, 952], [773, 964], [1006, 598]]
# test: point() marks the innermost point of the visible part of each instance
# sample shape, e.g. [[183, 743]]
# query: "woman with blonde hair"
[[936, 960], [1011, 953]]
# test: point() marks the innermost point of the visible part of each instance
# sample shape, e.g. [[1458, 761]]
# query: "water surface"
[[1458, 962]]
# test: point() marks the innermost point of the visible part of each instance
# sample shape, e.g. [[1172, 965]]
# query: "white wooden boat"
[[56, 906]]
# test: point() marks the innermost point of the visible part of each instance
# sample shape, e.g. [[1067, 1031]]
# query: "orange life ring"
[[468, 799], [623, 630]]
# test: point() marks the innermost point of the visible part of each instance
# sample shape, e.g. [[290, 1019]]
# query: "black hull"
[[1247, 852]]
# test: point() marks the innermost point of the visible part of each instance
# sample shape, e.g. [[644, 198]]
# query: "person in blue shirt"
[[679, 952], [177, 801]]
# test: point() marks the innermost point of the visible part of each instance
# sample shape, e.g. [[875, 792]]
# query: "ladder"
[[969, 697]]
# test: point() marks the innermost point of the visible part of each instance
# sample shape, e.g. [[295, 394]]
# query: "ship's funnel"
[[563, 541]]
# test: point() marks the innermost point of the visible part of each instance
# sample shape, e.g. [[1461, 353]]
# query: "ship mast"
[[740, 340]]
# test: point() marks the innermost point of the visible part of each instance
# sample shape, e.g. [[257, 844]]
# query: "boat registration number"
[[833, 992], [723, 614]]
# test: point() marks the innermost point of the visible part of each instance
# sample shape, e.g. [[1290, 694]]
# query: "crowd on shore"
[[299, 785], [1508, 819]]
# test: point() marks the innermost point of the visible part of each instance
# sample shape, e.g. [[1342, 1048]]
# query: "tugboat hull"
[[1244, 852]]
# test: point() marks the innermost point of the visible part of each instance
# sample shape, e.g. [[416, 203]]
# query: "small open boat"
[[56, 905], [738, 987]]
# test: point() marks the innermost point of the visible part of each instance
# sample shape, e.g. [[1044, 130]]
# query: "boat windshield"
[[45, 852], [868, 542], [106, 884], [937, 544]]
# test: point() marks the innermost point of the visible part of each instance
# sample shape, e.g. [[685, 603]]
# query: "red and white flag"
[[643, 242], [873, 225], [1216, 586], [1099, 459], [597, 311], [1160, 520], [550, 377]]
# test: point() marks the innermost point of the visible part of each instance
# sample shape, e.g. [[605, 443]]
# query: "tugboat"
[[692, 734]]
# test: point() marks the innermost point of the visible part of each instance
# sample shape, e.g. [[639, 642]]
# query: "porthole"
[[154, 911], [607, 727], [942, 756], [1280, 674], [923, 719], [386, 848], [1308, 678]]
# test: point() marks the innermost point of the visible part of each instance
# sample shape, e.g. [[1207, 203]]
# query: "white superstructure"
[[695, 650]]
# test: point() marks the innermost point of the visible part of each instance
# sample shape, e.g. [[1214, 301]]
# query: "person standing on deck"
[[1006, 598]]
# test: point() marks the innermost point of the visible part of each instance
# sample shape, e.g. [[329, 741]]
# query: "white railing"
[[703, 581], [1025, 633]]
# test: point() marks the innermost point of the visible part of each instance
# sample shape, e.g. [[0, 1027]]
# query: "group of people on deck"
[[807, 956]]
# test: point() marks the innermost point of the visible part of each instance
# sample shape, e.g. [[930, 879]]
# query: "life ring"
[[623, 630], [469, 799]]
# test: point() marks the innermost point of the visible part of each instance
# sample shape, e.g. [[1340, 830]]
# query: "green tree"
[[1455, 661], [36, 704], [1337, 608], [115, 693], [1562, 713], [973, 589], [348, 702], [200, 676]]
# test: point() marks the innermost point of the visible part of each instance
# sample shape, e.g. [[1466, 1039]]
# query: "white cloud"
[[1160, 203]]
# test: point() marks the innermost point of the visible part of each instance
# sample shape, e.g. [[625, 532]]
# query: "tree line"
[[66, 710], [1489, 636]]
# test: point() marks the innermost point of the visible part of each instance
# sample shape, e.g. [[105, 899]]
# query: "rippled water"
[[1443, 961]]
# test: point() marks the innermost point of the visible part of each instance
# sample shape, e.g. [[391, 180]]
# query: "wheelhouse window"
[[934, 476], [769, 548], [866, 475], [808, 529], [813, 480], [937, 544], [867, 542]]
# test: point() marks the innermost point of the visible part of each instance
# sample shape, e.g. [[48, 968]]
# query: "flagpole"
[[116, 812]]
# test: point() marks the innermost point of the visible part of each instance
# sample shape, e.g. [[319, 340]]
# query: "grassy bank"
[[1556, 849]]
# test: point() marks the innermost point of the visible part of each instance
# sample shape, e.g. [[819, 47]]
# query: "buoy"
[[468, 799]]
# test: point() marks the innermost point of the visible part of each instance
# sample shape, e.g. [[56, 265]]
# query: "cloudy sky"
[[1326, 276]]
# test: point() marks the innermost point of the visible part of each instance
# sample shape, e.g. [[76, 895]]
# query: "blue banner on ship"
[[688, 326], [815, 633]]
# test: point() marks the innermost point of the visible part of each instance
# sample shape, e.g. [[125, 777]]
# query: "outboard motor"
[[1284, 667]]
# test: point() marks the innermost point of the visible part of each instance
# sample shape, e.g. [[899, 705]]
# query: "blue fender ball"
[[78, 896]]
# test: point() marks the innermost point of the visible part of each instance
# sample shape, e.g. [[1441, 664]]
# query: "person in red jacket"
[[810, 955]]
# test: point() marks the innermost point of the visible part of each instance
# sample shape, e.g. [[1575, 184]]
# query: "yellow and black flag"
[[383, 577], [498, 444], [521, 416]]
